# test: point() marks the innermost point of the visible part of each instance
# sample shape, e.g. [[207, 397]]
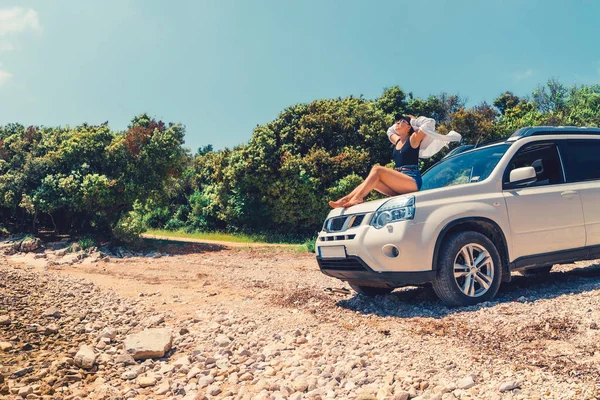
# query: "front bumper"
[[354, 270]]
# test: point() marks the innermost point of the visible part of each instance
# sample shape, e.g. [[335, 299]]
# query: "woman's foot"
[[339, 203], [352, 202]]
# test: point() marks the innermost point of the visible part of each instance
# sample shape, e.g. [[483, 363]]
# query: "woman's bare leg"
[[394, 180], [358, 189]]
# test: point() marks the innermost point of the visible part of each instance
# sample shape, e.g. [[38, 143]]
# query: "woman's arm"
[[392, 135], [420, 125]]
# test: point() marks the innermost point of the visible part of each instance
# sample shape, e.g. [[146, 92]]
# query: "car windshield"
[[472, 166]]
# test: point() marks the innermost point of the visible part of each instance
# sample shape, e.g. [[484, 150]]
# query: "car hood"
[[366, 207]]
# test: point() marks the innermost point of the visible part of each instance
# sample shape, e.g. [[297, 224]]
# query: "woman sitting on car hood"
[[413, 138]]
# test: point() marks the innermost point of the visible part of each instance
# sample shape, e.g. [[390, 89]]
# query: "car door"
[[582, 167], [545, 216]]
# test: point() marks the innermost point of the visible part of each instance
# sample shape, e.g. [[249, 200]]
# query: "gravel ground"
[[264, 323]]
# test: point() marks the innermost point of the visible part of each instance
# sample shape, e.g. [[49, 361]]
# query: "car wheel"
[[469, 269], [537, 271], [370, 291]]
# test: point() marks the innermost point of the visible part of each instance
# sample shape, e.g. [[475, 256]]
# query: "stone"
[[182, 361], [247, 376], [132, 373], [163, 389], [51, 329], [508, 386], [30, 244], [85, 357], [125, 359], [4, 320], [5, 346], [146, 381], [222, 341], [300, 385], [22, 372], [193, 373], [152, 343], [52, 312], [25, 390], [205, 381], [401, 395], [108, 333], [213, 390], [155, 320], [366, 396], [465, 383]]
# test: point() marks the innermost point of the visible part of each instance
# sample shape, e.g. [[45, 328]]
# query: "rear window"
[[582, 160]]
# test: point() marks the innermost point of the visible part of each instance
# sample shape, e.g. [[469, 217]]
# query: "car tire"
[[537, 271], [370, 291], [463, 277]]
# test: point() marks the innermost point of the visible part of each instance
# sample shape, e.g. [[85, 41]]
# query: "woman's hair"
[[398, 117]]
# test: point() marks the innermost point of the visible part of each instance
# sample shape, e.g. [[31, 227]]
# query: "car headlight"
[[394, 210]]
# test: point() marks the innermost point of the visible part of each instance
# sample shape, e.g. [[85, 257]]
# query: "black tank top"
[[406, 155]]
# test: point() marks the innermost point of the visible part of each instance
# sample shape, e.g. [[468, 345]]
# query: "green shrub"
[[86, 243], [129, 228]]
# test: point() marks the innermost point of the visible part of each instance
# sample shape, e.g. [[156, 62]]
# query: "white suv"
[[525, 203]]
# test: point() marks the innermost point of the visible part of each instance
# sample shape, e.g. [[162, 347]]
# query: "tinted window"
[[544, 158], [469, 167], [582, 159]]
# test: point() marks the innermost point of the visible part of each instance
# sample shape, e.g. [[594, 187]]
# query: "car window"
[[582, 160], [544, 158], [468, 167]]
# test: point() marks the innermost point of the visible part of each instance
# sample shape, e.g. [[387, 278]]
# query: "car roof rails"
[[553, 130]]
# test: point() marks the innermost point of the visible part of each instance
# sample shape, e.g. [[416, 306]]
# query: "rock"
[[52, 312], [213, 390], [205, 381], [401, 395], [25, 390], [465, 383], [6, 346], [125, 359], [132, 373], [222, 341], [366, 396], [85, 357], [300, 385], [508, 386], [193, 373], [4, 320], [108, 333], [51, 329], [146, 381], [155, 320], [182, 361], [29, 245], [162, 389], [152, 343], [22, 372]]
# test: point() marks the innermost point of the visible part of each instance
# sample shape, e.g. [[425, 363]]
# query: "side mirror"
[[522, 176]]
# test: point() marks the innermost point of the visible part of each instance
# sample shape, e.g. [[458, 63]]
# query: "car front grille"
[[341, 264], [340, 224], [336, 237]]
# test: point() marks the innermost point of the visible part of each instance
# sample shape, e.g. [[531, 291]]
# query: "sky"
[[223, 67]]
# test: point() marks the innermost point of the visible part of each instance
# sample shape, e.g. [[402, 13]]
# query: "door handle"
[[569, 194]]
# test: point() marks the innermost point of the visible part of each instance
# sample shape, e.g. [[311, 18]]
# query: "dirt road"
[[260, 323]]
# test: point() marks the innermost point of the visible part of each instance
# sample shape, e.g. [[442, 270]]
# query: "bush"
[[310, 245], [129, 228], [86, 243]]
